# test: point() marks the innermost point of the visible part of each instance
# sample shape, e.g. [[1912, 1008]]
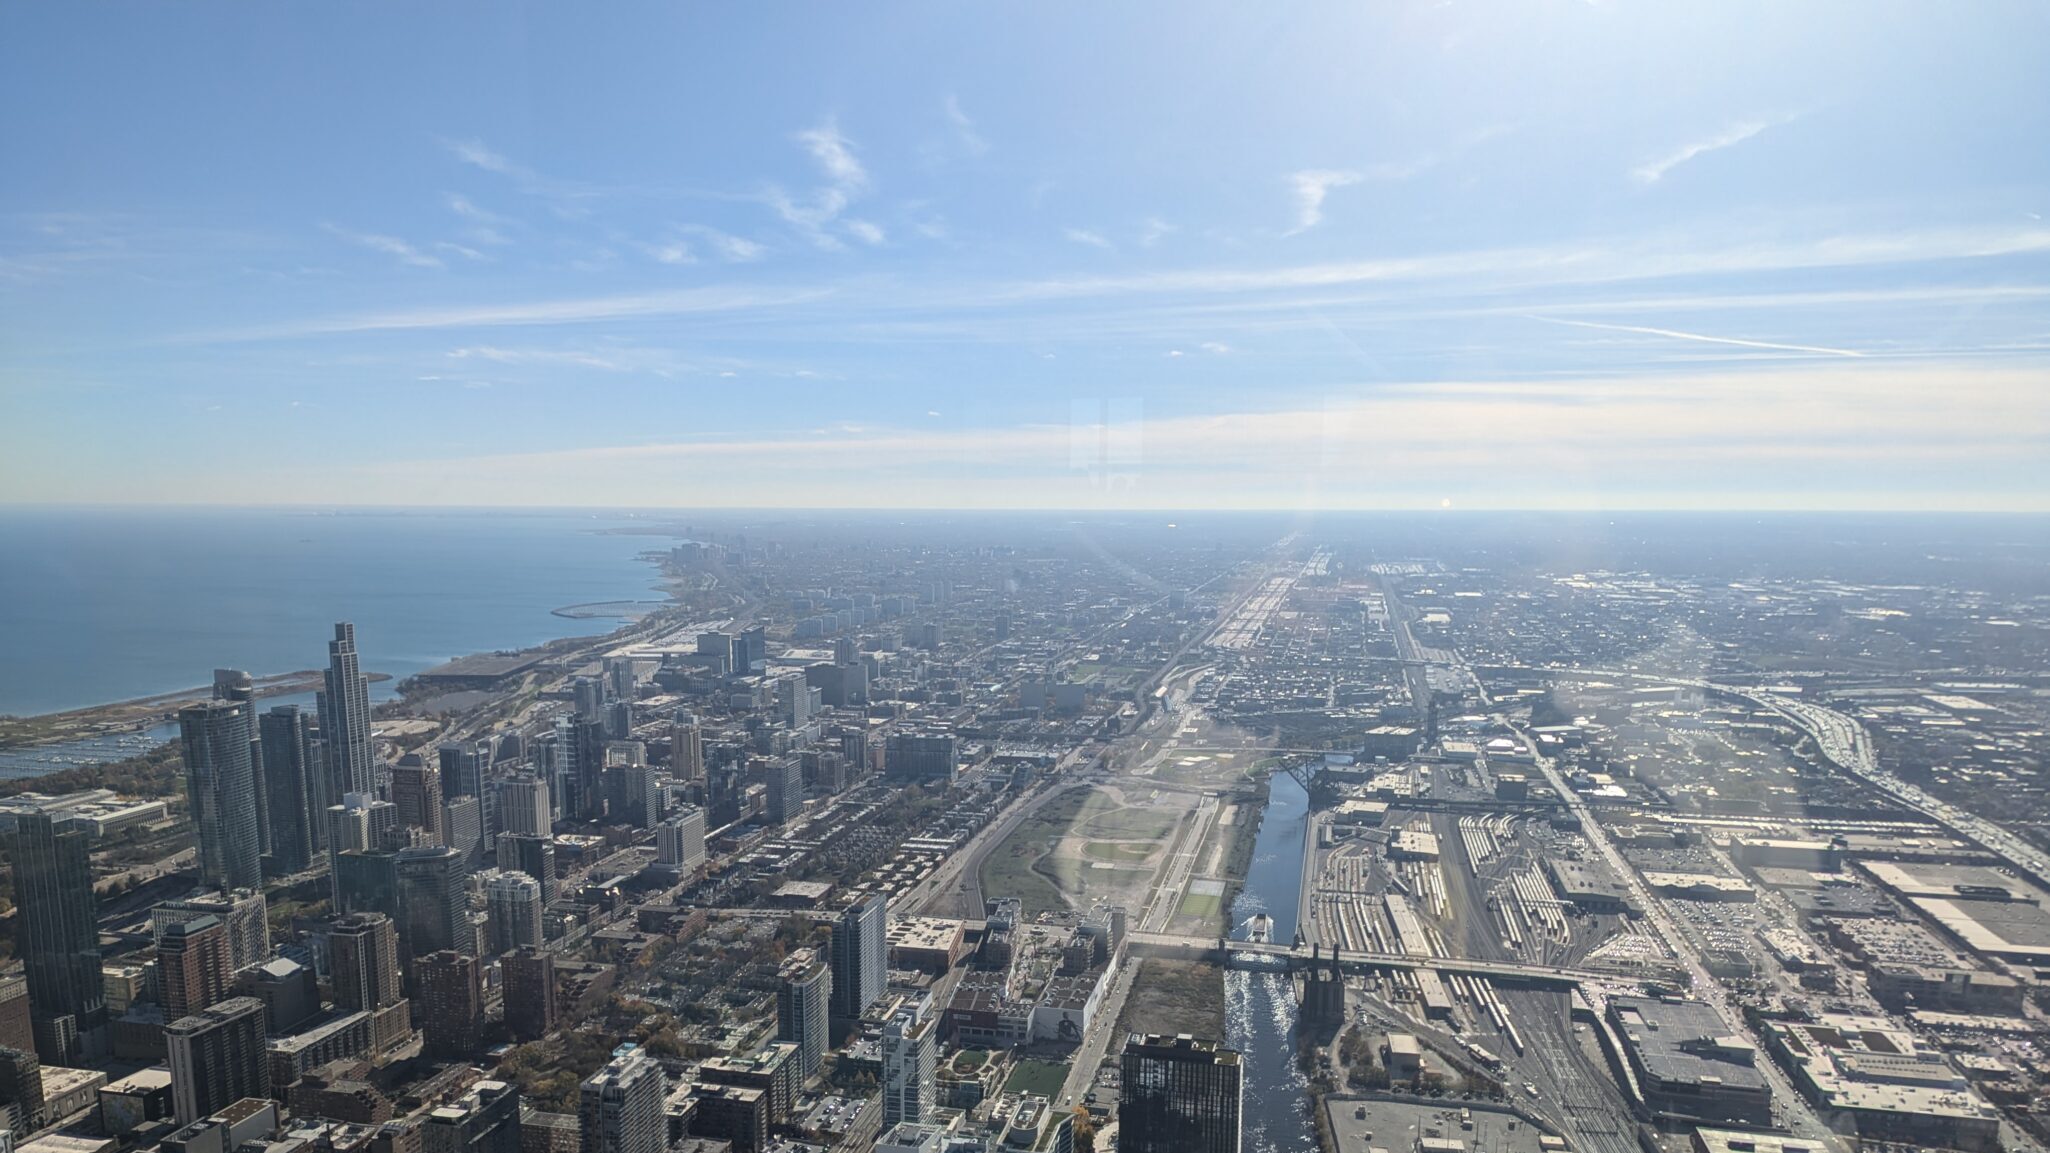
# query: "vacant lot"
[[1175, 997]]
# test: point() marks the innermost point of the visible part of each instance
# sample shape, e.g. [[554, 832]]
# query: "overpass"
[[1261, 954]]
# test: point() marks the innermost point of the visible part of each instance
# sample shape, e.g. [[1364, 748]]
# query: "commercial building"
[[363, 961], [1869, 1076], [433, 900], [1179, 1095], [524, 806], [533, 855], [1686, 1062], [217, 1056], [244, 912], [416, 792], [732, 1113], [772, 1069], [921, 754]]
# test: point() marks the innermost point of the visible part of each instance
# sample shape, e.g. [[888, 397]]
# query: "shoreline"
[[136, 715]]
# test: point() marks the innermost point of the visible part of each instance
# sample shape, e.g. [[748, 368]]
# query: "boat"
[[1262, 929]]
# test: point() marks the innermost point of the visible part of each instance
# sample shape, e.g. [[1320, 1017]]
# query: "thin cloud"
[[1310, 187], [1675, 334], [686, 302], [393, 246], [1655, 170], [965, 132], [835, 154], [1215, 347], [1086, 236], [866, 231], [730, 248], [1152, 230]]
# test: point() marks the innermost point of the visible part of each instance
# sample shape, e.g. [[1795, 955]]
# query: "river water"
[[1260, 1008]]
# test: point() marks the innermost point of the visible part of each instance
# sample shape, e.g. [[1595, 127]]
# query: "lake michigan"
[[103, 605]]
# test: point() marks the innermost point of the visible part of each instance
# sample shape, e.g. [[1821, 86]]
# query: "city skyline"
[[1738, 257]]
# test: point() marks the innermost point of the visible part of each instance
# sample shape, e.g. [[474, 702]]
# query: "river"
[[1260, 1008]]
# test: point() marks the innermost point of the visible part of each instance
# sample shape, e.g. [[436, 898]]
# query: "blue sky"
[[1278, 255]]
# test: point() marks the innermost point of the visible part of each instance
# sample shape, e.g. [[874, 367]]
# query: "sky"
[[1392, 255]]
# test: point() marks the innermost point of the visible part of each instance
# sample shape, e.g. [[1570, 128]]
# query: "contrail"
[[1678, 335]]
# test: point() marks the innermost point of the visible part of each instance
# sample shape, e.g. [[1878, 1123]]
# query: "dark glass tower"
[[220, 784], [1180, 1095], [288, 787], [56, 921]]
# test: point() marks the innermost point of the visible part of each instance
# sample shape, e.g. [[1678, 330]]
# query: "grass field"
[[1117, 851], [1132, 824], [1042, 1077], [1202, 904]]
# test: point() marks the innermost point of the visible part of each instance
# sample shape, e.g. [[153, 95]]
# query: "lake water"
[[107, 605], [1259, 1007]]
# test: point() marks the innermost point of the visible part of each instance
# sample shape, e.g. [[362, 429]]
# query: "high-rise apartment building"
[[621, 1106], [1180, 1095], [363, 960], [686, 748], [524, 806], [486, 1119], [245, 914], [344, 707], [680, 840], [194, 970], [464, 773], [532, 855], [217, 1057], [57, 932], [513, 901], [910, 1063], [529, 993], [220, 786], [462, 829], [580, 763], [416, 793], [361, 823], [434, 900], [860, 955], [293, 803], [803, 994], [451, 1003], [786, 789]]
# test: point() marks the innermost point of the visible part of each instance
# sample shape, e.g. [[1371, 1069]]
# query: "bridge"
[[1264, 954]]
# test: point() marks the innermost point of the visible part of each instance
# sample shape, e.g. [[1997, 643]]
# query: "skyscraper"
[[433, 901], [686, 748], [290, 801], [910, 1057], [806, 987], [786, 789], [621, 1107], [1180, 1095], [534, 856], [462, 829], [363, 959], [416, 792], [220, 784], [345, 717], [464, 773], [193, 966], [217, 1057], [580, 767], [451, 1003], [245, 914], [514, 902], [529, 994], [359, 824], [57, 932], [524, 806], [860, 956]]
